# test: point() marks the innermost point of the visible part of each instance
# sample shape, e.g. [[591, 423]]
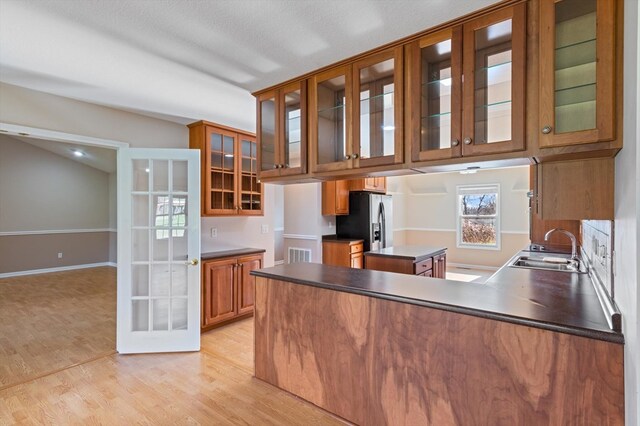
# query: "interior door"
[[158, 306]]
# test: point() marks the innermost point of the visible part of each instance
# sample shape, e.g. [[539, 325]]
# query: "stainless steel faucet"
[[574, 242]]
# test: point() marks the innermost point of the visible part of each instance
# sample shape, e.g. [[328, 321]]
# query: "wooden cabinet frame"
[[281, 168], [517, 14], [605, 77]]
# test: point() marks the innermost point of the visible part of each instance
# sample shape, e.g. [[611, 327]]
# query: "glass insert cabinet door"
[[377, 109], [267, 131], [293, 114], [221, 165], [494, 69], [250, 187], [435, 90], [331, 115], [576, 50]]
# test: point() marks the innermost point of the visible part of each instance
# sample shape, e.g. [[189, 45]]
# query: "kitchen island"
[[427, 261], [376, 347]]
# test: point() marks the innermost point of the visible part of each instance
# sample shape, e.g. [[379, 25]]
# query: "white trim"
[[453, 230], [467, 266], [300, 237], [33, 132], [278, 262], [278, 229], [485, 186], [58, 269], [56, 231]]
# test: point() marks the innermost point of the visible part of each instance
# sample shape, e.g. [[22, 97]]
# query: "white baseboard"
[[467, 266], [300, 237], [58, 269]]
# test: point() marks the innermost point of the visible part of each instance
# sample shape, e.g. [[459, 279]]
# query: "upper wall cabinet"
[[577, 62], [482, 113], [282, 131], [356, 114], [230, 185]]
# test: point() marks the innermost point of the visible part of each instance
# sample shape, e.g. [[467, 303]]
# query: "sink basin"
[[531, 262]]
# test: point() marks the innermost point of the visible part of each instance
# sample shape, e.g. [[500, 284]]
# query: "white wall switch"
[[60, 255], [265, 229], [214, 232]]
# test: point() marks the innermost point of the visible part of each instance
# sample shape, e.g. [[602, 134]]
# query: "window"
[[178, 216], [478, 208]]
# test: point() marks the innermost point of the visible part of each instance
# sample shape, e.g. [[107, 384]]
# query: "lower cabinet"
[[347, 253], [228, 290], [433, 266]]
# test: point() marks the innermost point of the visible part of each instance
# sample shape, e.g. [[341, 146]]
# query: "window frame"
[[460, 189]]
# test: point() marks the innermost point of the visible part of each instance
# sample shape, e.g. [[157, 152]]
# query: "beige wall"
[[425, 212], [36, 109], [627, 215], [44, 191]]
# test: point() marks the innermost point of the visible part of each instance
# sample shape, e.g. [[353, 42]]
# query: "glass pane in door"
[[249, 186], [435, 101], [292, 129], [331, 120], [575, 65], [222, 150], [268, 133], [493, 77], [377, 110]]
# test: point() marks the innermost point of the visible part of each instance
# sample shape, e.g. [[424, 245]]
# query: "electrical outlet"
[[214, 232], [330, 224], [265, 229], [60, 255]]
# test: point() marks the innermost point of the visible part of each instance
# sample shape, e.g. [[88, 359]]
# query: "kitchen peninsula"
[[378, 347]]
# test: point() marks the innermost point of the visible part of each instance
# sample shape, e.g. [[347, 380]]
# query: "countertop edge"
[[617, 338], [214, 255], [413, 258]]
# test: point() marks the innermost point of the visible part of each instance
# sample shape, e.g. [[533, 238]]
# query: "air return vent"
[[299, 255]]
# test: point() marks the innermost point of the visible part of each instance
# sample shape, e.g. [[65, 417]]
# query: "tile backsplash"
[[597, 250]]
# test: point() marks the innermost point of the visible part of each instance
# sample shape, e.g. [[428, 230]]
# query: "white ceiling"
[[99, 158], [195, 59]]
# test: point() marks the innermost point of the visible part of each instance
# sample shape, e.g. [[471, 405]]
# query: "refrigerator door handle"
[[383, 226]]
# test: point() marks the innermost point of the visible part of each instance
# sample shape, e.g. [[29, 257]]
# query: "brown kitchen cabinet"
[[370, 184], [484, 113], [282, 130], [229, 185], [335, 198], [338, 252], [355, 114], [228, 289], [412, 260], [577, 64], [574, 189]]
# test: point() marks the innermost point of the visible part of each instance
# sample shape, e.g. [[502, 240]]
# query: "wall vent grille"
[[299, 255]]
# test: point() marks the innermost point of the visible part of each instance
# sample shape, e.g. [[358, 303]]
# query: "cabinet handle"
[[347, 157], [355, 156], [468, 140], [547, 129], [275, 166], [455, 142]]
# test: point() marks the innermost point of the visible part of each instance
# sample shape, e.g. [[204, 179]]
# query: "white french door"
[[158, 250]]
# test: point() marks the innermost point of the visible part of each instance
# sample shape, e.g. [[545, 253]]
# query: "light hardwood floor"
[[212, 387], [52, 321]]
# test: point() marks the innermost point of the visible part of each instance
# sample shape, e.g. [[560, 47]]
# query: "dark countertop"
[[556, 301], [336, 239], [230, 253], [414, 253]]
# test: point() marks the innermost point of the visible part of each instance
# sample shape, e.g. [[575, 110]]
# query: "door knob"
[[193, 262]]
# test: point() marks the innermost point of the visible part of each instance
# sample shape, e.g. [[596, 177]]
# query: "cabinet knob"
[[347, 157], [467, 140], [547, 129], [275, 166], [455, 142], [355, 156]]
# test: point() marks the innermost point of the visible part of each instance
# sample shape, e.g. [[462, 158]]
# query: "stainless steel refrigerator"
[[370, 218]]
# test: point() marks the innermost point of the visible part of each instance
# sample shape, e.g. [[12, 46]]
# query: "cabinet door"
[[577, 63], [435, 95], [342, 197], [293, 128], [330, 120], [218, 291], [269, 155], [377, 109], [494, 85], [249, 188], [357, 260], [246, 282], [220, 178]]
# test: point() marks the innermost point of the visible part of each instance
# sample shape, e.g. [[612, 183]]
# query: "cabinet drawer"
[[423, 266], [356, 248]]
